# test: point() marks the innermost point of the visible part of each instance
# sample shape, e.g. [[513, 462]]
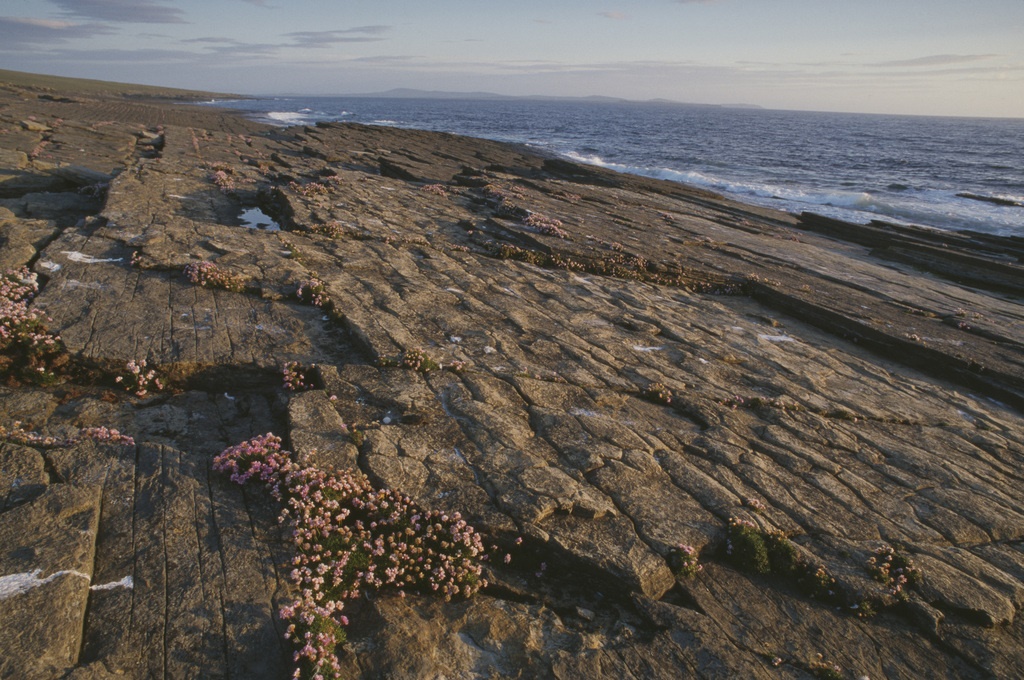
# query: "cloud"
[[615, 16], [938, 60], [43, 23], [346, 35], [117, 57], [231, 47], [17, 32], [128, 11], [211, 40]]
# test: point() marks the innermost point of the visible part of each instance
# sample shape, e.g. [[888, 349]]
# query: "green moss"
[[782, 554], [746, 548]]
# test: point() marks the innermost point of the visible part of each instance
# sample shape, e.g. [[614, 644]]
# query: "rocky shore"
[[715, 440]]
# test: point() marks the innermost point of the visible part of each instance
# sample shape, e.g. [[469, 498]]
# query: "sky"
[[931, 57]]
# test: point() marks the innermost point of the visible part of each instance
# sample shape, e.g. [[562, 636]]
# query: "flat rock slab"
[[46, 568], [606, 391]]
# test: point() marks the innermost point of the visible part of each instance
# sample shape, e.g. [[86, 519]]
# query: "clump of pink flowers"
[[457, 366], [298, 378], [310, 189], [436, 189], [19, 435], [18, 323], [756, 505], [417, 360], [414, 358], [223, 180], [687, 561], [139, 381], [546, 225], [329, 229], [209, 275], [106, 435], [894, 570], [734, 402], [313, 291], [350, 537], [25, 343]]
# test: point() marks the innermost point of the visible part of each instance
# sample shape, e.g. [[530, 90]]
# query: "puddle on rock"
[[254, 218]]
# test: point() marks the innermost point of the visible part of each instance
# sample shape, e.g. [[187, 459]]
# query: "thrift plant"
[[658, 393], [25, 342], [436, 189], [894, 570], [209, 275], [686, 562], [139, 381], [826, 671], [329, 229], [298, 378], [350, 537], [223, 180], [310, 189], [415, 358], [546, 225], [313, 291], [755, 505], [745, 547], [771, 552], [105, 435]]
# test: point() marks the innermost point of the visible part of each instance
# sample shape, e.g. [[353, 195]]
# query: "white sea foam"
[[851, 168], [287, 117], [928, 207]]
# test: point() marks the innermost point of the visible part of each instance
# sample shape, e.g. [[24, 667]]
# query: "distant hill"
[[48, 84], [410, 93]]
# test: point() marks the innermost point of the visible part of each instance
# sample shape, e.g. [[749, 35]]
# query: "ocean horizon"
[[940, 172]]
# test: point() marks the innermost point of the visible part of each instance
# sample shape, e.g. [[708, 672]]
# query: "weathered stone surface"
[[23, 475], [34, 126], [46, 566], [21, 239], [319, 434], [821, 384]]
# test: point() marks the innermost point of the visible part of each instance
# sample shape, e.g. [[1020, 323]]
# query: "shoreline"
[[675, 413], [910, 196]]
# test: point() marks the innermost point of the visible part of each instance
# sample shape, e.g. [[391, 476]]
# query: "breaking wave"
[[899, 203]]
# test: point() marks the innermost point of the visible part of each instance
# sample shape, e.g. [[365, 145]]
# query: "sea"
[[940, 172]]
